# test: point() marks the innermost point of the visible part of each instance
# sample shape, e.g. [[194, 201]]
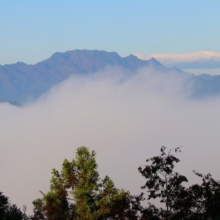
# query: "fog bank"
[[125, 120]]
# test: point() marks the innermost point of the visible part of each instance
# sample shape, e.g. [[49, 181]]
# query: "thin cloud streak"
[[182, 57], [124, 120]]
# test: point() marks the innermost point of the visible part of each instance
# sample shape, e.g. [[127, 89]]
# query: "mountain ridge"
[[20, 82]]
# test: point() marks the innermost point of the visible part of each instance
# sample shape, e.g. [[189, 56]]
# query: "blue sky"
[[32, 30]]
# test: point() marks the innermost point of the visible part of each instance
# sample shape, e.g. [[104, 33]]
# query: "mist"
[[125, 119]]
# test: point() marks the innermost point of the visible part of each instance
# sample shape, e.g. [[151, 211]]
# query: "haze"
[[125, 121]]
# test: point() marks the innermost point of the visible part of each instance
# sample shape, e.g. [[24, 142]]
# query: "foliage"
[[78, 193], [196, 202], [205, 198], [8, 211]]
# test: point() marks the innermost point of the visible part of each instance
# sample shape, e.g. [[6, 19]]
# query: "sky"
[[33, 30]]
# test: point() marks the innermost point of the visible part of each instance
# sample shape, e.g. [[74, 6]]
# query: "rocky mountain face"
[[20, 82]]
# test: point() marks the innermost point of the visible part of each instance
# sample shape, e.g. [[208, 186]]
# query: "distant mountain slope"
[[20, 82]]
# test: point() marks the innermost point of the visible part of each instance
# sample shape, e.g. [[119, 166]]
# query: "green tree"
[[78, 193]]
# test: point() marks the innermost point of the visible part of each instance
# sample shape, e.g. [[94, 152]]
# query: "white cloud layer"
[[182, 57], [124, 121]]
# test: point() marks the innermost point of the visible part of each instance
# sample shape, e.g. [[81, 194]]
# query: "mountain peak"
[[19, 81]]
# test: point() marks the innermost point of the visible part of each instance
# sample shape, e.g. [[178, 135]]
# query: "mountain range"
[[21, 82]]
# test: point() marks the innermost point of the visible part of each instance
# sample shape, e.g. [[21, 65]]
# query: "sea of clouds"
[[125, 119]]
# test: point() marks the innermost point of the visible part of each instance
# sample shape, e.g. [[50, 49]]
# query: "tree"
[[196, 202], [165, 184], [8, 211], [78, 193], [205, 198]]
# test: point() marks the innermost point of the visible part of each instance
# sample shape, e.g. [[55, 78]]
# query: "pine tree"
[[78, 193]]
